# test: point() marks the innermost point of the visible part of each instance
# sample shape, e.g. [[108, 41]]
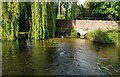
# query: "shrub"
[[70, 32], [73, 33], [113, 35], [103, 36]]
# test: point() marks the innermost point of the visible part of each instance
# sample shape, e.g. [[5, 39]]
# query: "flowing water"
[[57, 56]]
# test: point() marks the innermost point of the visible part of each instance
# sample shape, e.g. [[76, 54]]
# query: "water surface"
[[67, 56]]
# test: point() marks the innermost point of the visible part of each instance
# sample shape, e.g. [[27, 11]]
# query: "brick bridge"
[[83, 26]]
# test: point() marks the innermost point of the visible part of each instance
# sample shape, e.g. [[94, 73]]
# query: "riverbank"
[[104, 36]]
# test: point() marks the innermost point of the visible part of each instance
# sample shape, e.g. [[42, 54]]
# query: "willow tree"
[[0, 11], [36, 29], [39, 20], [51, 19], [43, 20], [0, 19], [10, 18]]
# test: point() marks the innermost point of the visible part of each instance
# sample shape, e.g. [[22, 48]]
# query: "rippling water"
[[67, 56]]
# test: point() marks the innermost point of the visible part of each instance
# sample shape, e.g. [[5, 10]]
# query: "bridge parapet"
[[84, 26]]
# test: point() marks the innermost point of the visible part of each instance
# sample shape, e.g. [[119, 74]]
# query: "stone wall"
[[62, 25], [95, 24], [90, 24]]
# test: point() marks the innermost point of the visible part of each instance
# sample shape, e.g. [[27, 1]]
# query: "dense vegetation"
[[43, 20], [39, 19], [11, 13], [100, 36], [0, 20], [100, 10]]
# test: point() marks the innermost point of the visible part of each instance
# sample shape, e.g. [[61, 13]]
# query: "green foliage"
[[97, 9], [43, 20], [74, 10], [0, 20], [103, 36], [70, 32], [10, 18], [67, 10], [107, 8], [73, 33], [113, 35], [0, 11], [51, 19], [60, 17], [0, 32], [39, 16], [62, 10], [36, 28]]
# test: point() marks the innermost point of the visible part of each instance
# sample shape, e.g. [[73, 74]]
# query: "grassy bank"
[[100, 36]]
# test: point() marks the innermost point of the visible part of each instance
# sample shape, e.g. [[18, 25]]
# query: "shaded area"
[[25, 17], [58, 57]]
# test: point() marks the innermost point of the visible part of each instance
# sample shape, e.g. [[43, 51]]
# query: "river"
[[58, 56]]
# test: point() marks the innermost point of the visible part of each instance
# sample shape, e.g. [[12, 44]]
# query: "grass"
[[108, 36]]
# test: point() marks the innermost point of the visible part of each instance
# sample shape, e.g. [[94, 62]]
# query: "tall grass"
[[100, 36]]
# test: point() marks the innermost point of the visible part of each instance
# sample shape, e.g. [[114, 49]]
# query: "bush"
[[0, 32], [103, 36], [70, 32], [73, 33], [113, 36]]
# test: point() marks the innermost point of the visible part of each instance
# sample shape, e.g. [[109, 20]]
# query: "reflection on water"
[[57, 56]]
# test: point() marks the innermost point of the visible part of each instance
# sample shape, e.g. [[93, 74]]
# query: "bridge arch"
[[78, 35]]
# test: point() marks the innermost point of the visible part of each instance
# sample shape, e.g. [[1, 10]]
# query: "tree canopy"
[[39, 18], [97, 9]]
